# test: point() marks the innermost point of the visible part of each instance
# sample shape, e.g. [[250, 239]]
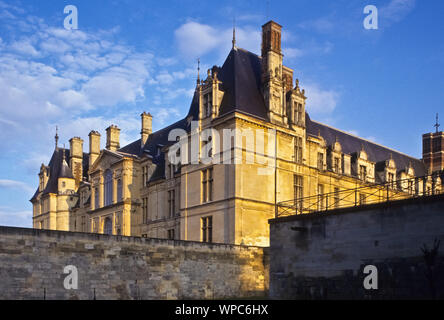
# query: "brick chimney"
[[112, 138], [433, 151]]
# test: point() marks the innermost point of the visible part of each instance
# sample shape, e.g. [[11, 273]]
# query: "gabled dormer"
[[334, 157], [362, 167], [210, 95]]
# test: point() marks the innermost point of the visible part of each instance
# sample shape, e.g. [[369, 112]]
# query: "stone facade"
[[322, 256], [136, 190], [116, 267]]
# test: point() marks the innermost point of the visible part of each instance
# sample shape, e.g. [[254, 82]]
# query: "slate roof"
[[351, 144], [59, 170]]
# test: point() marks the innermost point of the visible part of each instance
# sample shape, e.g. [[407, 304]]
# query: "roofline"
[[372, 142]]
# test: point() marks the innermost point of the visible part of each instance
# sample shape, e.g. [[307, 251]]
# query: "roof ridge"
[[369, 141]]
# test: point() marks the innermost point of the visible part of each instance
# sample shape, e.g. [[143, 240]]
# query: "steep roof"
[[350, 144]]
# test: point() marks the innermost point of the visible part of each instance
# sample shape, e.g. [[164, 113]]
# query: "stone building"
[[139, 190]]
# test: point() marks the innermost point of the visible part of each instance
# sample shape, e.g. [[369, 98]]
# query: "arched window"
[[119, 190], [108, 187], [108, 226]]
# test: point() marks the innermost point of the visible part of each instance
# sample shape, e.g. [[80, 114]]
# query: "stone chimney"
[[112, 138], [147, 127], [94, 147], [76, 158]]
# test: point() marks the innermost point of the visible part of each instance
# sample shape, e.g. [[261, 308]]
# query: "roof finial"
[[234, 33], [63, 153], [198, 70], [57, 138], [437, 125]]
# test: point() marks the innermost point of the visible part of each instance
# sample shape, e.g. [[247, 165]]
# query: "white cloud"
[[319, 101], [195, 39], [12, 184], [395, 11], [10, 217]]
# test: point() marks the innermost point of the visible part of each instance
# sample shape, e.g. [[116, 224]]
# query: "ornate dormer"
[[334, 157], [210, 95], [363, 168], [406, 179], [296, 106], [43, 177], [386, 171]]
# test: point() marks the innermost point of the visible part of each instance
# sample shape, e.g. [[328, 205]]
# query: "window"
[[362, 199], [321, 198], [336, 164], [83, 223], [119, 190], [410, 187], [298, 192], [391, 179], [208, 104], [108, 226], [362, 172], [207, 229], [96, 198], [171, 202], [297, 113], [298, 150], [108, 187], [144, 176], [207, 185], [171, 234], [145, 210], [336, 198], [320, 161], [41, 224]]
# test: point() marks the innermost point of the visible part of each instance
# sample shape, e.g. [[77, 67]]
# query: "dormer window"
[[320, 161], [297, 112], [208, 104], [391, 179], [336, 164], [362, 172]]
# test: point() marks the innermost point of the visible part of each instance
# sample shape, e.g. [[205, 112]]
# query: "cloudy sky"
[[132, 56]]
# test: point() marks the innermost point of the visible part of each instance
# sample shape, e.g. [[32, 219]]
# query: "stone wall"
[[116, 267], [322, 256]]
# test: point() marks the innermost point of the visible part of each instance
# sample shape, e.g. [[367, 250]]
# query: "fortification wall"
[[114, 267], [322, 256]]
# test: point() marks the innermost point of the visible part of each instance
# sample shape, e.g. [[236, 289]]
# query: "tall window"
[[171, 202], [298, 192], [171, 234], [362, 172], [297, 113], [320, 161], [108, 226], [391, 179], [145, 210], [108, 187], [144, 176], [207, 185], [119, 190], [336, 198], [298, 150], [96, 198], [321, 197], [207, 229], [208, 104], [336, 164], [410, 187]]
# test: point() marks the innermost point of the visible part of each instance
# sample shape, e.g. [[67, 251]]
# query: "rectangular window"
[[96, 198], [171, 234], [207, 229], [320, 161], [297, 113], [321, 197], [336, 198], [362, 199], [208, 104], [171, 202], [207, 185], [362, 172], [391, 180], [298, 193], [298, 150], [336, 164], [410, 187], [145, 210]]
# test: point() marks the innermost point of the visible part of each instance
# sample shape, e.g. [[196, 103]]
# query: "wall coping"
[[359, 209], [19, 231]]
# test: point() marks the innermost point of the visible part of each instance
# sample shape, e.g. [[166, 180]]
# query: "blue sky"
[[131, 56]]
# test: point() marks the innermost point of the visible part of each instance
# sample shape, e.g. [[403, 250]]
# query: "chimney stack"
[[147, 127], [76, 158], [112, 138], [94, 147]]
